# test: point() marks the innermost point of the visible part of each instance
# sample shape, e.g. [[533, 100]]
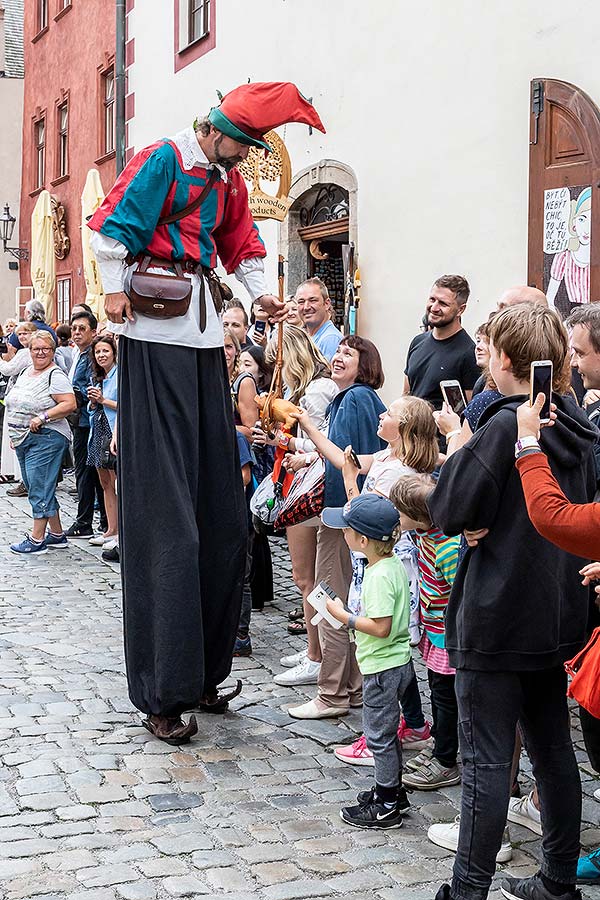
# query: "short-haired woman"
[[103, 415], [35, 410]]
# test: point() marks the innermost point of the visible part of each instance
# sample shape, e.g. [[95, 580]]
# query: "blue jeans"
[[489, 706], [40, 457]]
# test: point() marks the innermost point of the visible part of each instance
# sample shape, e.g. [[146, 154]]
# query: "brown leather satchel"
[[169, 296], [160, 296]]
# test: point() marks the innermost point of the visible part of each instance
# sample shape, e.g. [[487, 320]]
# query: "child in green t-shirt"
[[382, 651]]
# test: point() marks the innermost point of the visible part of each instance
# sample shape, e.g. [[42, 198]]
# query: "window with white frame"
[[63, 140], [198, 19], [63, 298], [108, 111], [39, 142]]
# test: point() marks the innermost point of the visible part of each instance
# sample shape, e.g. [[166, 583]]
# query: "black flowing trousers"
[[182, 520]]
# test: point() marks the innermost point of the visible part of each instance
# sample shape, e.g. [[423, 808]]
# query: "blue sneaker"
[[243, 645], [29, 546], [588, 869], [56, 542]]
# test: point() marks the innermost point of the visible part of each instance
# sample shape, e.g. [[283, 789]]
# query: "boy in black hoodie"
[[516, 613]]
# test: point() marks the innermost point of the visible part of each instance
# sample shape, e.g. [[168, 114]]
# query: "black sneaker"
[[367, 797], [79, 531], [444, 893], [532, 889], [372, 814], [112, 555]]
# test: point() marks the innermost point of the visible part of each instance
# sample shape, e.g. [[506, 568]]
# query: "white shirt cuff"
[[110, 256], [251, 273]]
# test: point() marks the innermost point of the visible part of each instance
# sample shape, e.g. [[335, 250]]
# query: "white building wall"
[[427, 103]]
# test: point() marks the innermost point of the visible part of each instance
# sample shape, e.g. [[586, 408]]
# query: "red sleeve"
[[237, 237], [574, 527]]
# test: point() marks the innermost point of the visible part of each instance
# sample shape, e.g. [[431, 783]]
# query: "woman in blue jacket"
[[353, 419]]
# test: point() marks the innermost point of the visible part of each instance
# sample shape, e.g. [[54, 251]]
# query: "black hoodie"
[[517, 602]]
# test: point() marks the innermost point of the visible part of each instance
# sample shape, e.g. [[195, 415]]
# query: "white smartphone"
[[453, 395], [541, 382]]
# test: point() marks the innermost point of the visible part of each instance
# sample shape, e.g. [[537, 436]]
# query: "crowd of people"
[[59, 408], [431, 537], [466, 534]]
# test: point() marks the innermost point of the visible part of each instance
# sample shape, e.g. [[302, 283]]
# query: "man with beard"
[[446, 352], [182, 509]]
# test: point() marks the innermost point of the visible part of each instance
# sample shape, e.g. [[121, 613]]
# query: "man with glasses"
[[83, 331]]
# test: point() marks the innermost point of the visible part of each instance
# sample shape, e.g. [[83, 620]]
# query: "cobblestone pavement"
[[92, 808]]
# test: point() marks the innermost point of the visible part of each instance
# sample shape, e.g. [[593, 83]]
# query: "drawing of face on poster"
[[567, 241]]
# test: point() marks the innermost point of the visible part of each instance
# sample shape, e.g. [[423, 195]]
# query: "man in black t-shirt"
[[446, 352]]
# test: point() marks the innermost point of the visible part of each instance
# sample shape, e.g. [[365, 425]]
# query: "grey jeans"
[[382, 693]]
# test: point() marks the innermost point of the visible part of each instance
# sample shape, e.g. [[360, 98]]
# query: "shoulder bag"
[[584, 670], [305, 497]]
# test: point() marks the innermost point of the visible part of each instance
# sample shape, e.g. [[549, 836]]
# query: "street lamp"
[[7, 226]]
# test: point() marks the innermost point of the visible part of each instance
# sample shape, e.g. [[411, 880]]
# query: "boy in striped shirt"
[[437, 561]]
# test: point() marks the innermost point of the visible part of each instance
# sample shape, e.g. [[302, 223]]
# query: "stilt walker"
[[178, 206]]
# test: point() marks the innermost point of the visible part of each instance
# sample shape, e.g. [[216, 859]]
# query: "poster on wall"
[[567, 239]]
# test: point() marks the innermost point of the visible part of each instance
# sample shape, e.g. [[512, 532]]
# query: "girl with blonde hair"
[[307, 376]]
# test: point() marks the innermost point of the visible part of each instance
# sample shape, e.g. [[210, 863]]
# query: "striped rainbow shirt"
[[438, 562]]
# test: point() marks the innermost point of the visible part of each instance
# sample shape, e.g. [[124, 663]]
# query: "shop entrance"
[[564, 198], [320, 228]]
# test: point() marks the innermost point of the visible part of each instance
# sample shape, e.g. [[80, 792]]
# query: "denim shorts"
[[40, 457]]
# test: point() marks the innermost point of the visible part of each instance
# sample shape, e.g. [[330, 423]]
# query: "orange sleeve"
[[574, 527]]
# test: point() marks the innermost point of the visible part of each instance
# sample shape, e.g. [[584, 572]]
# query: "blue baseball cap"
[[369, 514]]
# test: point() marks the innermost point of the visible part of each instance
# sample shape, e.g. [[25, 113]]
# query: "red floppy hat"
[[247, 112]]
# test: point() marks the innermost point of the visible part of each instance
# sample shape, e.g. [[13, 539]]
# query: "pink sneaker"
[[357, 754], [414, 738]]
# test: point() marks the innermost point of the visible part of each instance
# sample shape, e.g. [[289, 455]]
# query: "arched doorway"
[[564, 202], [321, 227]]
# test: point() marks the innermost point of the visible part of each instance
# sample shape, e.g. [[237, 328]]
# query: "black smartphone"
[[3, 346], [354, 458], [260, 326], [453, 395], [541, 383]]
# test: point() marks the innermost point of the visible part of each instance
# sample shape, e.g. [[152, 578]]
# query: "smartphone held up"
[[453, 395], [540, 380]]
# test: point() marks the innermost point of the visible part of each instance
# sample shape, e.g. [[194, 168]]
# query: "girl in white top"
[[409, 427], [307, 376]]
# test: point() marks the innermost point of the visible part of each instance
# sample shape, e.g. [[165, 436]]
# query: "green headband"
[[226, 126]]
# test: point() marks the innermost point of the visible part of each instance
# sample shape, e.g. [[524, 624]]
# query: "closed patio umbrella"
[[43, 269], [91, 198]]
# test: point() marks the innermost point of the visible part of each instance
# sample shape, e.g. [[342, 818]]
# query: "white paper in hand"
[[318, 600]]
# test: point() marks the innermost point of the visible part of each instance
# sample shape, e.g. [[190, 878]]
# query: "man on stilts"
[[182, 509]]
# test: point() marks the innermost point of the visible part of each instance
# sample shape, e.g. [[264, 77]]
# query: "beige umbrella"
[[43, 270], [91, 198]]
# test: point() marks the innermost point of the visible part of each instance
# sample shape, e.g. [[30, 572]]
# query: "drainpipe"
[[120, 85]]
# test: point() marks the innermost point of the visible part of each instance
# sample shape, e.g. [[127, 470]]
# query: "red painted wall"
[[66, 58]]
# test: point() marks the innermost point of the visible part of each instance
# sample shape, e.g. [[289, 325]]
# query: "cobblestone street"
[[93, 808]]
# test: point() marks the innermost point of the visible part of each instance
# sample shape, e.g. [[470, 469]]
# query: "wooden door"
[[564, 194]]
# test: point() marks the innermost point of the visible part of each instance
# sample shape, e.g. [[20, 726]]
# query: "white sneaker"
[[445, 834], [110, 543], [97, 540], [597, 794], [288, 662], [306, 672], [521, 811]]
